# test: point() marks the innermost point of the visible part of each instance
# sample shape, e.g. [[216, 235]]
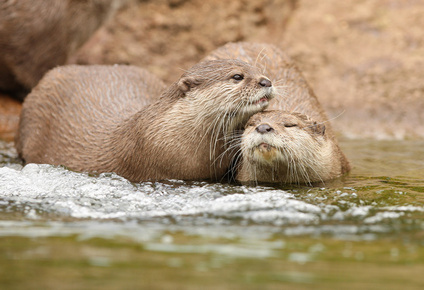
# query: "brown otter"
[[36, 36], [94, 119], [285, 147], [293, 91], [293, 95]]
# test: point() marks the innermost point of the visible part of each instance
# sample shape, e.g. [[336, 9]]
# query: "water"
[[61, 229]]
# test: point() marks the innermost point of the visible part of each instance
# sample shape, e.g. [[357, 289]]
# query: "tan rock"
[[364, 60]]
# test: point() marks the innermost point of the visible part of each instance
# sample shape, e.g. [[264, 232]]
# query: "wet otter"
[[91, 119], [293, 91], [285, 147], [36, 36], [294, 95]]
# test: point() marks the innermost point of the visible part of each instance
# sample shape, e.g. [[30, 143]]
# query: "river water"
[[65, 230]]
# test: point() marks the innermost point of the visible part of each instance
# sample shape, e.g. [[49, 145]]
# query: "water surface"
[[61, 229]]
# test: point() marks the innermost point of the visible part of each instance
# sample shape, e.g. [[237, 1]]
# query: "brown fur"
[[36, 36], [293, 93], [94, 119], [292, 149]]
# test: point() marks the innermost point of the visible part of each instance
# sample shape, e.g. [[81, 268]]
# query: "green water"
[[370, 235]]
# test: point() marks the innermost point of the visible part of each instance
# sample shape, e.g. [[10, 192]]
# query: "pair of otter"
[[109, 119], [293, 142]]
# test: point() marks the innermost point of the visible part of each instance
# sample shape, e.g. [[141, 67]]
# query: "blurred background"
[[362, 58]]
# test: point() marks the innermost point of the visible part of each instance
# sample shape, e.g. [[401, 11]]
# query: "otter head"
[[279, 146], [226, 92]]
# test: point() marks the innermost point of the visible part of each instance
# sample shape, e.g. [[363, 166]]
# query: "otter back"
[[68, 118]]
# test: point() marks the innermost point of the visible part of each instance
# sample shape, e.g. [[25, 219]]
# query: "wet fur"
[[293, 92], [95, 119], [301, 150], [294, 95]]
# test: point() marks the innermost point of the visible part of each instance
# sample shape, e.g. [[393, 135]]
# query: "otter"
[[286, 147], [36, 36], [95, 119], [295, 100], [293, 92]]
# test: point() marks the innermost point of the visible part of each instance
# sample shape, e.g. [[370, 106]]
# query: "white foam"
[[56, 190], [45, 192]]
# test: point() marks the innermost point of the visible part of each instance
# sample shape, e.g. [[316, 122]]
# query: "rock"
[[364, 60], [10, 109], [168, 36]]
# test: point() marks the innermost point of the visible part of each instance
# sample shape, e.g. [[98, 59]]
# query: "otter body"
[[36, 36], [97, 119], [287, 155]]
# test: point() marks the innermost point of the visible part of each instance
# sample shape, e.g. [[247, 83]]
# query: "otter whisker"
[[216, 131], [276, 81], [257, 57], [230, 150], [231, 172]]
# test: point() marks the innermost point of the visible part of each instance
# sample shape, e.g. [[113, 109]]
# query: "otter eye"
[[288, 125], [238, 77]]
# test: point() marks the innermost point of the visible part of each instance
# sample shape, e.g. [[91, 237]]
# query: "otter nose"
[[264, 128], [265, 82]]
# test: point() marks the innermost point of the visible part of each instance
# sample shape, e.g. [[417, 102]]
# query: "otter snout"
[[264, 128], [264, 82]]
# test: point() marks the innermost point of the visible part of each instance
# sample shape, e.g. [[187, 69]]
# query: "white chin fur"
[[255, 108], [254, 141]]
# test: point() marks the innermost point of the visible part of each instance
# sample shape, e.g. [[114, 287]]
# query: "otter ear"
[[319, 128], [187, 83]]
